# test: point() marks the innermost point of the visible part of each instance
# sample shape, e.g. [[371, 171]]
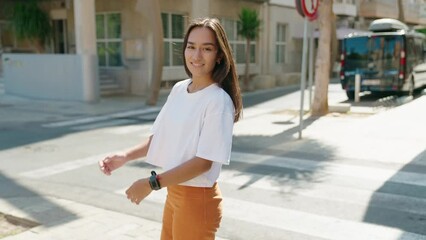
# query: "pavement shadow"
[[385, 100], [282, 147], [21, 133], [401, 201], [38, 208], [267, 95]]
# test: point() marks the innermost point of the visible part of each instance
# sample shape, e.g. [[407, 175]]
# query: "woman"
[[191, 137]]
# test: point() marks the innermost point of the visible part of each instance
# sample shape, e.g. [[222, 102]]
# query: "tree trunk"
[[400, 11], [322, 64], [152, 9], [247, 68]]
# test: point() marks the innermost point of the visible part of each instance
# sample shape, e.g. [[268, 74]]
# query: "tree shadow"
[[401, 201], [271, 94], [287, 163], [288, 168], [40, 209]]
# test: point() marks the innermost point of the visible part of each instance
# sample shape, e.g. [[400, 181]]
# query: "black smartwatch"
[[153, 181]]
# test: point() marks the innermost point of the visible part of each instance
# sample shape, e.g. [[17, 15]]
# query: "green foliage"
[[422, 30], [248, 23], [30, 22]]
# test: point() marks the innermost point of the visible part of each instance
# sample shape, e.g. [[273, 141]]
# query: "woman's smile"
[[197, 64]]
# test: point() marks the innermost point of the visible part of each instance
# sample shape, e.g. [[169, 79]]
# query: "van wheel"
[[350, 94]]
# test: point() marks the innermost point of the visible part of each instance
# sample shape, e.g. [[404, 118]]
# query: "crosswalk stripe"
[[310, 224], [290, 220], [337, 169], [103, 124], [63, 167], [341, 169], [101, 118], [123, 130], [325, 190]]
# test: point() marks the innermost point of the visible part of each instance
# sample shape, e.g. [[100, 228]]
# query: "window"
[[173, 31], [108, 39], [280, 44], [238, 43]]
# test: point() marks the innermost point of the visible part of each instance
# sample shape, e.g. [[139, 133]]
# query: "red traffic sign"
[[307, 8]]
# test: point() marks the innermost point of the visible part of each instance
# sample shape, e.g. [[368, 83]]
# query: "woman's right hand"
[[112, 162]]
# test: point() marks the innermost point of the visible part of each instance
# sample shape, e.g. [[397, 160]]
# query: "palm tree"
[[31, 23], [322, 64], [249, 26]]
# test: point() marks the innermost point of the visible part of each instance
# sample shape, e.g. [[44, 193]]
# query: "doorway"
[[60, 45]]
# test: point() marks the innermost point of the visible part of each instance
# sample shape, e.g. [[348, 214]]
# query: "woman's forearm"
[[185, 171], [138, 151]]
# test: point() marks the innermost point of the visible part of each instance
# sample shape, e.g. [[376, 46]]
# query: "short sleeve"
[[215, 141], [158, 119], [160, 115]]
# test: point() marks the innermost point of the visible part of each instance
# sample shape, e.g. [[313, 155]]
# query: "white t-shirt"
[[193, 124]]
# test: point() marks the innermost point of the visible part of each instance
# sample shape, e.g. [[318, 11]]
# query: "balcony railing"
[[414, 12], [344, 7]]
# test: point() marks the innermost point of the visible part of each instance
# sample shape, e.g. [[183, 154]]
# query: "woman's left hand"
[[138, 191]]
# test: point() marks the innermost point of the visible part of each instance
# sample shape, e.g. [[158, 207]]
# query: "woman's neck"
[[198, 84]]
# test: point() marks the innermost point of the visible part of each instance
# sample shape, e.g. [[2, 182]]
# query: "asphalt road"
[[353, 176]]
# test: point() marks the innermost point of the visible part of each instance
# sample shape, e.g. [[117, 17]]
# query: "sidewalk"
[[19, 109], [88, 222]]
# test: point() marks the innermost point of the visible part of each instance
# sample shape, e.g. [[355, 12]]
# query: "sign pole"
[[303, 76], [311, 63], [308, 12]]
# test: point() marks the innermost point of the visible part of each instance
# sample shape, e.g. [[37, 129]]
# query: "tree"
[[322, 64], [249, 26], [401, 11], [31, 23], [152, 9]]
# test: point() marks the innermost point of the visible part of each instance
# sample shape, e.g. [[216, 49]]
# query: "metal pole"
[[303, 77], [357, 86], [311, 64]]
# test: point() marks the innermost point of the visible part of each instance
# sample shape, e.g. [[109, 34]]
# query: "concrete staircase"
[[109, 85]]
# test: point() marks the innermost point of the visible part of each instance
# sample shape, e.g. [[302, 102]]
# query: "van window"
[[376, 53]]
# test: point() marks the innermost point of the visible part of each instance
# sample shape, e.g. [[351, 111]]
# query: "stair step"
[[109, 92], [110, 86], [109, 81]]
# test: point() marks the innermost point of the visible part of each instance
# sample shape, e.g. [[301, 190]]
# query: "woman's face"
[[201, 52]]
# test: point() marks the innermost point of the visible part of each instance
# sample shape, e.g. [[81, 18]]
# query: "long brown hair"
[[224, 73]]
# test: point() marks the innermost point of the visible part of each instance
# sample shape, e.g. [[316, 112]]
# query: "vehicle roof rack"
[[387, 25]]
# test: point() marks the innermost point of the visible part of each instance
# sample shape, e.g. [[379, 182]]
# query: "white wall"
[[44, 76], [294, 24]]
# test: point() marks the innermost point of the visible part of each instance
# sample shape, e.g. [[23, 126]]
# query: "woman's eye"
[[190, 47], [207, 49]]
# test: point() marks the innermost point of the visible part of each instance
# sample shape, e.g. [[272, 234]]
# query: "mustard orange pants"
[[192, 213]]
